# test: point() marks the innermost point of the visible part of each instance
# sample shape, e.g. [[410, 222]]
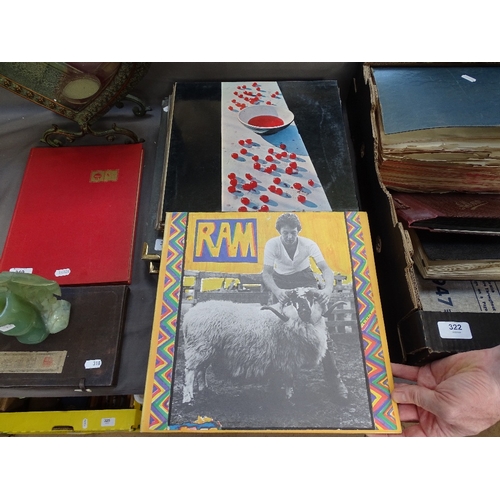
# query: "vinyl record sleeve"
[[219, 257], [199, 145], [74, 220], [85, 354]]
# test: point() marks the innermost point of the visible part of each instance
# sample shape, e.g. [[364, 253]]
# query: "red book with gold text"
[[74, 220]]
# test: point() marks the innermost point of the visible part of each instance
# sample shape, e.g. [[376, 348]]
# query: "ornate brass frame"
[[85, 114]]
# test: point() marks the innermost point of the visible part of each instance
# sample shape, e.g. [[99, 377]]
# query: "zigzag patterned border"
[[382, 406], [174, 243]]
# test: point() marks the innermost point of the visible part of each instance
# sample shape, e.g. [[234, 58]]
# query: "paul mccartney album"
[[268, 322]]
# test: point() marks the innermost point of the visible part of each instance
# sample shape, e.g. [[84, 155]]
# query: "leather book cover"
[[74, 220], [85, 354], [449, 212]]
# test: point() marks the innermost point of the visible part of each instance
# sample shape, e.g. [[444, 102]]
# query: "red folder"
[[75, 215]]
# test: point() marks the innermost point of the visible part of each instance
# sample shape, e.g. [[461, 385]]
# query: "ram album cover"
[[268, 321]]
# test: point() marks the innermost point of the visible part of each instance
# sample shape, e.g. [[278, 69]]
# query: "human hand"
[[455, 396]]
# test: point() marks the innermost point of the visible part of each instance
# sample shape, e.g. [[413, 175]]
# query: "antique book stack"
[[438, 144], [436, 155], [74, 223]]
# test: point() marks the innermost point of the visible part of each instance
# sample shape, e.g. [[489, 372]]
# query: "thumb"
[[416, 395]]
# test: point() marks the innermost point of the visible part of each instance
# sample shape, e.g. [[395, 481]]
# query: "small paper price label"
[[158, 244], [6, 328], [93, 363], [454, 330], [62, 272], [25, 270], [108, 422]]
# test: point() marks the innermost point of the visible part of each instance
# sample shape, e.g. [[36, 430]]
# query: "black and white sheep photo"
[[269, 349]]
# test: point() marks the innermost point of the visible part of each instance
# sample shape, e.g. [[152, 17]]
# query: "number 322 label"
[[454, 330]]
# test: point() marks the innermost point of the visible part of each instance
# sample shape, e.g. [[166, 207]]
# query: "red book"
[[74, 220]]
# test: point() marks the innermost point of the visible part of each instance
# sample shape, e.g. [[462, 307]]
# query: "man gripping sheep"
[[287, 266]]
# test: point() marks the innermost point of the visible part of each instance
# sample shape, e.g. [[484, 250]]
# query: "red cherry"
[[273, 166], [249, 176], [278, 156], [268, 170], [264, 208], [231, 189], [272, 188], [241, 142], [289, 170], [230, 108], [301, 198], [310, 182], [232, 175], [268, 103], [293, 164], [297, 185], [284, 154], [293, 156], [283, 146], [270, 150], [242, 209], [233, 181], [254, 84], [247, 187], [279, 191], [276, 180], [234, 155], [243, 151], [269, 158], [248, 141], [256, 166], [245, 201], [264, 198], [253, 184], [255, 158]]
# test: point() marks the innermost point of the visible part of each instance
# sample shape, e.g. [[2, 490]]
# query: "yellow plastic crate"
[[73, 421]]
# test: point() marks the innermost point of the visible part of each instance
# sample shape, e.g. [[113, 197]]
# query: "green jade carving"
[[29, 308]]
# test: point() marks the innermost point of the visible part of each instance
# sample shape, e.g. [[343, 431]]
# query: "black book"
[[86, 354]]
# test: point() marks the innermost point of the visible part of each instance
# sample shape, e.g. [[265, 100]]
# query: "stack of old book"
[[437, 133]]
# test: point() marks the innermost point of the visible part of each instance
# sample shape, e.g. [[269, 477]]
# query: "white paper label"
[[158, 244], [62, 272], [6, 328], [454, 330], [85, 423], [93, 363], [468, 78], [26, 270], [108, 422]]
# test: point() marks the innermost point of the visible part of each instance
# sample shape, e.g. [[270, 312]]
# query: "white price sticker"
[[108, 422], [469, 78], [93, 363], [26, 270], [158, 244], [6, 328], [63, 272], [454, 330]]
